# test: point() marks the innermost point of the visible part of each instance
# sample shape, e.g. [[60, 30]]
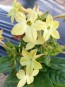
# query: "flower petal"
[[37, 65], [31, 34], [39, 55], [20, 74], [55, 24], [40, 40], [12, 18], [55, 34], [35, 72], [33, 53], [32, 16], [46, 35], [22, 82], [19, 16], [39, 25], [25, 39], [29, 68], [29, 10], [30, 45], [24, 61], [19, 29], [30, 79], [49, 19], [25, 53]]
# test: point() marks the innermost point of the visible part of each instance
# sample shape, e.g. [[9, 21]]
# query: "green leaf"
[[58, 86], [44, 59], [57, 63], [41, 80], [11, 81], [5, 64], [57, 77]]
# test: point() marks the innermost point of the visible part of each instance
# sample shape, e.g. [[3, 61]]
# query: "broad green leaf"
[[57, 77], [41, 80], [57, 63]]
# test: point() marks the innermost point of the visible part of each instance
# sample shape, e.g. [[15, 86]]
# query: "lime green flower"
[[50, 28], [25, 78], [29, 27], [29, 60], [1, 37], [15, 12], [40, 40]]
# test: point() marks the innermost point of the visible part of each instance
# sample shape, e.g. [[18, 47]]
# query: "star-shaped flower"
[[29, 60], [40, 40], [50, 28], [17, 12], [25, 78], [29, 27]]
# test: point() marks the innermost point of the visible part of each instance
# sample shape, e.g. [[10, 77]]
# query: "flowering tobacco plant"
[[34, 62]]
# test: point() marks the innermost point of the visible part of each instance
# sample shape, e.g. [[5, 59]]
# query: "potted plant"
[[34, 62]]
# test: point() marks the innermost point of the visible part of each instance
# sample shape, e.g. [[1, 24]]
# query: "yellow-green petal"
[[22, 82], [10, 12], [35, 72], [20, 74], [24, 61], [12, 18], [55, 24], [25, 53], [32, 16], [37, 65], [20, 17], [39, 25], [33, 53], [29, 68], [30, 79], [31, 34], [19, 29], [37, 56], [30, 45], [40, 40], [46, 34], [49, 19], [25, 39], [55, 34]]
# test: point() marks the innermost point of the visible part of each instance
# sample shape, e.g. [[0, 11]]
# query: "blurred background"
[[9, 2]]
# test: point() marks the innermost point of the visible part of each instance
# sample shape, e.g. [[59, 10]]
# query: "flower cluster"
[[36, 32], [34, 61]]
